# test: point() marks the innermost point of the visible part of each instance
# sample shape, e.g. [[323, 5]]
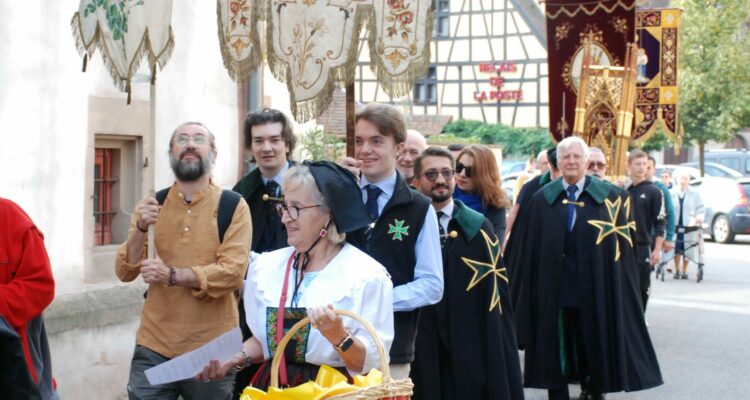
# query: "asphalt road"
[[701, 331]]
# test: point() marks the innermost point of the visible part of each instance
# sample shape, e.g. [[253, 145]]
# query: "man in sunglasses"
[[403, 236], [468, 339], [196, 271], [597, 163]]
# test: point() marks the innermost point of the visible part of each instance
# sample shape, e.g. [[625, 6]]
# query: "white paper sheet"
[[190, 364]]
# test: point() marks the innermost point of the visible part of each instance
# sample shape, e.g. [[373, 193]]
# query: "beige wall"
[[50, 113]]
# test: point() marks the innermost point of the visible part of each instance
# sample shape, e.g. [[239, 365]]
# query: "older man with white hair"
[[579, 313], [413, 147]]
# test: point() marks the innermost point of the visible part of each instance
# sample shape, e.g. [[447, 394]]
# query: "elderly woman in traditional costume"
[[317, 273]]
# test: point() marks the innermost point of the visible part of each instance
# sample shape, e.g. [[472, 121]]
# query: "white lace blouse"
[[352, 281]]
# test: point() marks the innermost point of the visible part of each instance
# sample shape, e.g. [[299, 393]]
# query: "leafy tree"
[[522, 142], [320, 145], [657, 141], [714, 69]]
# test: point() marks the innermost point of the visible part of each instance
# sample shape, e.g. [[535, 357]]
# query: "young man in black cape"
[[270, 140], [580, 317], [466, 344]]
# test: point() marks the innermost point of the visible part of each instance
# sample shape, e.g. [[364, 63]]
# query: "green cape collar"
[[468, 220], [595, 187]]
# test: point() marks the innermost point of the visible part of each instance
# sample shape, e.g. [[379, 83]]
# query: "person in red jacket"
[[26, 289]]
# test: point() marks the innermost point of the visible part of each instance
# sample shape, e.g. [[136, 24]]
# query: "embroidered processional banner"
[[125, 32], [656, 93], [239, 37], [312, 45], [609, 25]]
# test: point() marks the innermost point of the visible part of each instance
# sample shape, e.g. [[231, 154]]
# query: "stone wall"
[[92, 336]]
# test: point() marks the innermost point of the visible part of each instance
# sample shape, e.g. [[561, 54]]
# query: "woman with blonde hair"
[[478, 185]]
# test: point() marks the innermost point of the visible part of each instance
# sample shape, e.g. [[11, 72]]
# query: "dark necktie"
[[443, 236], [272, 188], [373, 192], [572, 189], [268, 236]]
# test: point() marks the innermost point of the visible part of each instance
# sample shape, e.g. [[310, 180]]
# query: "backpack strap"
[[162, 195], [227, 205]]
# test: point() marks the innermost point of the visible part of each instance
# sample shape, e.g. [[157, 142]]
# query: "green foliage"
[[714, 68], [520, 142], [320, 145], [657, 141]]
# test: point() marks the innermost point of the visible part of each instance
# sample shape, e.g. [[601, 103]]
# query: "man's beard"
[[190, 172], [438, 198]]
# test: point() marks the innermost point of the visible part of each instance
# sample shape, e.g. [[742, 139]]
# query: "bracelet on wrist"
[[245, 362], [172, 277], [138, 225]]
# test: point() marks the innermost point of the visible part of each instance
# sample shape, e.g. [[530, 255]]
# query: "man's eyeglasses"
[[462, 168], [597, 165], [292, 211], [431, 175], [182, 140]]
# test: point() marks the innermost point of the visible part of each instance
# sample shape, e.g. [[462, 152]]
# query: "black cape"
[[514, 248], [466, 345], [621, 356]]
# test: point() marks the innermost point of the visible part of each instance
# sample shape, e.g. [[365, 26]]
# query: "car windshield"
[[733, 163]]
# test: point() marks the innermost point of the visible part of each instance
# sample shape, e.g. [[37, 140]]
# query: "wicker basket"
[[388, 389]]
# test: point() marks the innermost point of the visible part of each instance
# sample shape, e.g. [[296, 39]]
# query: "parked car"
[[692, 172], [738, 160], [727, 207], [513, 166], [714, 169]]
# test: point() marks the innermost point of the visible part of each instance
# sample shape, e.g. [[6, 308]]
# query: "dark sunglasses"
[[431, 175], [597, 164], [461, 168]]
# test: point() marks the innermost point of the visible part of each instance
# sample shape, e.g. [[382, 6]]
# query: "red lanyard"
[[280, 319]]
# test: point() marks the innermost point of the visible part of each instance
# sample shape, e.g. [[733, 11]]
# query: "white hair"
[[678, 173], [566, 143], [541, 154]]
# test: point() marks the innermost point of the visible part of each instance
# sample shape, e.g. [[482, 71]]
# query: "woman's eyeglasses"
[[292, 211], [432, 174], [462, 168]]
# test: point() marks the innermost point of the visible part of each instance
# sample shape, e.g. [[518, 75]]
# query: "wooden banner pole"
[[151, 169], [350, 117]]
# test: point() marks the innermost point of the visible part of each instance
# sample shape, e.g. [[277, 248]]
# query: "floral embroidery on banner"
[[561, 33], [117, 14], [238, 32], [303, 39], [400, 17], [620, 24]]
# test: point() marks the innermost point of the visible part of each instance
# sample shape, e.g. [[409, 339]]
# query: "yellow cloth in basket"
[[329, 382]]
